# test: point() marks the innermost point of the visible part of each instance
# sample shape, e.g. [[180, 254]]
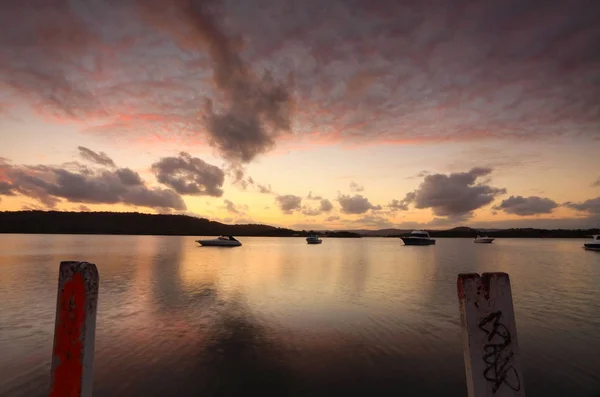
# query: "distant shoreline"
[[139, 224], [270, 236]]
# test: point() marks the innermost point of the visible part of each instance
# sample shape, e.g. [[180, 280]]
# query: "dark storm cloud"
[[454, 195], [356, 204], [324, 207], [100, 158], [523, 206], [289, 203], [190, 175], [356, 188], [592, 206], [50, 185]]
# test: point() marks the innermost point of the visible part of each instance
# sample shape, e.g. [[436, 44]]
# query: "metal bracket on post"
[[489, 336], [75, 329]]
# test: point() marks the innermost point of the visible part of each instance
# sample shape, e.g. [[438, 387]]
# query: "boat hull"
[[218, 243], [417, 241], [591, 247], [484, 241], [314, 242]]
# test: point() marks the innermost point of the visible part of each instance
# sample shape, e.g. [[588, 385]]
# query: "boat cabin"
[[419, 234], [227, 238]]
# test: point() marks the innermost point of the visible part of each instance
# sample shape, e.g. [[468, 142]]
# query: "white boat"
[[312, 239], [594, 245], [221, 241], [483, 239], [418, 237]]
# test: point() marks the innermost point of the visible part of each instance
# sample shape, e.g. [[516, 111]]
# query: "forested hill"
[[56, 222]]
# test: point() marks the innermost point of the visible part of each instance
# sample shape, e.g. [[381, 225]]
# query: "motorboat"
[[313, 239], [221, 241], [483, 239], [418, 237], [594, 245]]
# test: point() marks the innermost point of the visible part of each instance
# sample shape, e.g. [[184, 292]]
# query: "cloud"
[[456, 194], [6, 188], [450, 221], [479, 69], [50, 185], [129, 177], [375, 221], [523, 206], [324, 207], [265, 189], [332, 218], [234, 209], [592, 206], [596, 182], [356, 204], [421, 174], [100, 158], [82, 208], [311, 197], [402, 204], [289, 203], [190, 175], [230, 207], [541, 223], [355, 187], [257, 109]]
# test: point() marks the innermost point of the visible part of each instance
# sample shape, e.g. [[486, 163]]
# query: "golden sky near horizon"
[[363, 114]]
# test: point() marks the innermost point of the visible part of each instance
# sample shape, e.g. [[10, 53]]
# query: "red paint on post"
[[74, 330], [68, 348]]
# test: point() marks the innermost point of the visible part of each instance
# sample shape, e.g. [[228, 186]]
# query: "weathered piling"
[[74, 331], [489, 336]]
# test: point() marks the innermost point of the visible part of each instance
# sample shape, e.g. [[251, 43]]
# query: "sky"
[[361, 114]]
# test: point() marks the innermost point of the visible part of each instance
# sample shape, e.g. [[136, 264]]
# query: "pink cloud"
[[378, 73]]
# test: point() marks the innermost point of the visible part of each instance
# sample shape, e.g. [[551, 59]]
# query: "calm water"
[[279, 317]]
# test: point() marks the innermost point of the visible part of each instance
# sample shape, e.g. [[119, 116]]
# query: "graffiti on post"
[[498, 354]]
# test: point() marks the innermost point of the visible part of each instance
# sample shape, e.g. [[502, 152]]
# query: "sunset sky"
[[339, 114]]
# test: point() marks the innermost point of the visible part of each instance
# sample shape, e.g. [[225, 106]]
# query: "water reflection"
[[165, 263], [278, 317]]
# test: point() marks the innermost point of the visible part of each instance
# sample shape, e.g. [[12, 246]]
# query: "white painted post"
[[489, 336], [75, 329]]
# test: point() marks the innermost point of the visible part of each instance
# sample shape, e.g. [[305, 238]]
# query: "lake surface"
[[279, 317]]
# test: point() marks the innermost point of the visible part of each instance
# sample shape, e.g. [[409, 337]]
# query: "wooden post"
[[489, 336], [74, 331]]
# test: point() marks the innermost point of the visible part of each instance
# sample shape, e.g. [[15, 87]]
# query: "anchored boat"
[[221, 241], [313, 239], [418, 237], [483, 240], [594, 245]]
